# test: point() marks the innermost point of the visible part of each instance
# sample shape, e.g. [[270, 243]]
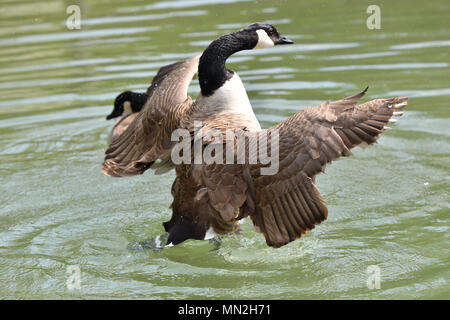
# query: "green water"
[[388, 205]]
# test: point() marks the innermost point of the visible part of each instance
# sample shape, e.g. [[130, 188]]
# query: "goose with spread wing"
[[211, 198]]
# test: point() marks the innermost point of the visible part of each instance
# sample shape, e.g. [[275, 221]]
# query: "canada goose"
[[211, 198]]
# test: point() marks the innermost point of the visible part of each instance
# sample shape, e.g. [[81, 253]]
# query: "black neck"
[[138, 100], [212, 73]]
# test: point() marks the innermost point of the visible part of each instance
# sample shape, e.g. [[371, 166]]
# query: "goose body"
[[212, 198]]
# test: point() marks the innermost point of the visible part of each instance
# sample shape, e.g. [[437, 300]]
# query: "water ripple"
[[420, 93], [57, 82], [66, 36], [58, 65], [362, 55], [179, 4], [296, 85], [417, 65], [143, 17], [421, 45]]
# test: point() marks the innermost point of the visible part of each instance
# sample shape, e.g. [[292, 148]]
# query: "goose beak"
[[112, 115], [284, 40]]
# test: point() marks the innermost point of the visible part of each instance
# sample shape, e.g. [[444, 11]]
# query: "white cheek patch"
[[264, 40], [127, 108]]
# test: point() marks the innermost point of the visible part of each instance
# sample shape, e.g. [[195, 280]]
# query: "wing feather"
[[147, 138], [287, 204]]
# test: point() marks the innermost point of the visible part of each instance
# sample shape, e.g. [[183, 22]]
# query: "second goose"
[[128, 104]]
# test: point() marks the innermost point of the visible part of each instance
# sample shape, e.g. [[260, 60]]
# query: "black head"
[[212, 73], [127, 100], [265, 35]]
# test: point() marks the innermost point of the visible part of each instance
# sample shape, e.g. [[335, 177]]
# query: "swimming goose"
[[211, 198]]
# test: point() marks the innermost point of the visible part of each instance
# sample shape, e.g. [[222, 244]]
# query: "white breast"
[[230, 97]]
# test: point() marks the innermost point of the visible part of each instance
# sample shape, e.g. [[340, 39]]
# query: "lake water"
[[388, 205]]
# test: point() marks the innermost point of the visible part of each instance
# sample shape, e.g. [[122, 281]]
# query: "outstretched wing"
[[147, 138], [287, 204], [121, 126]]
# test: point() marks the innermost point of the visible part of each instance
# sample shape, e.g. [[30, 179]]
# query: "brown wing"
[[147, 138], [121, 126], [163, 73], [287, 204]]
